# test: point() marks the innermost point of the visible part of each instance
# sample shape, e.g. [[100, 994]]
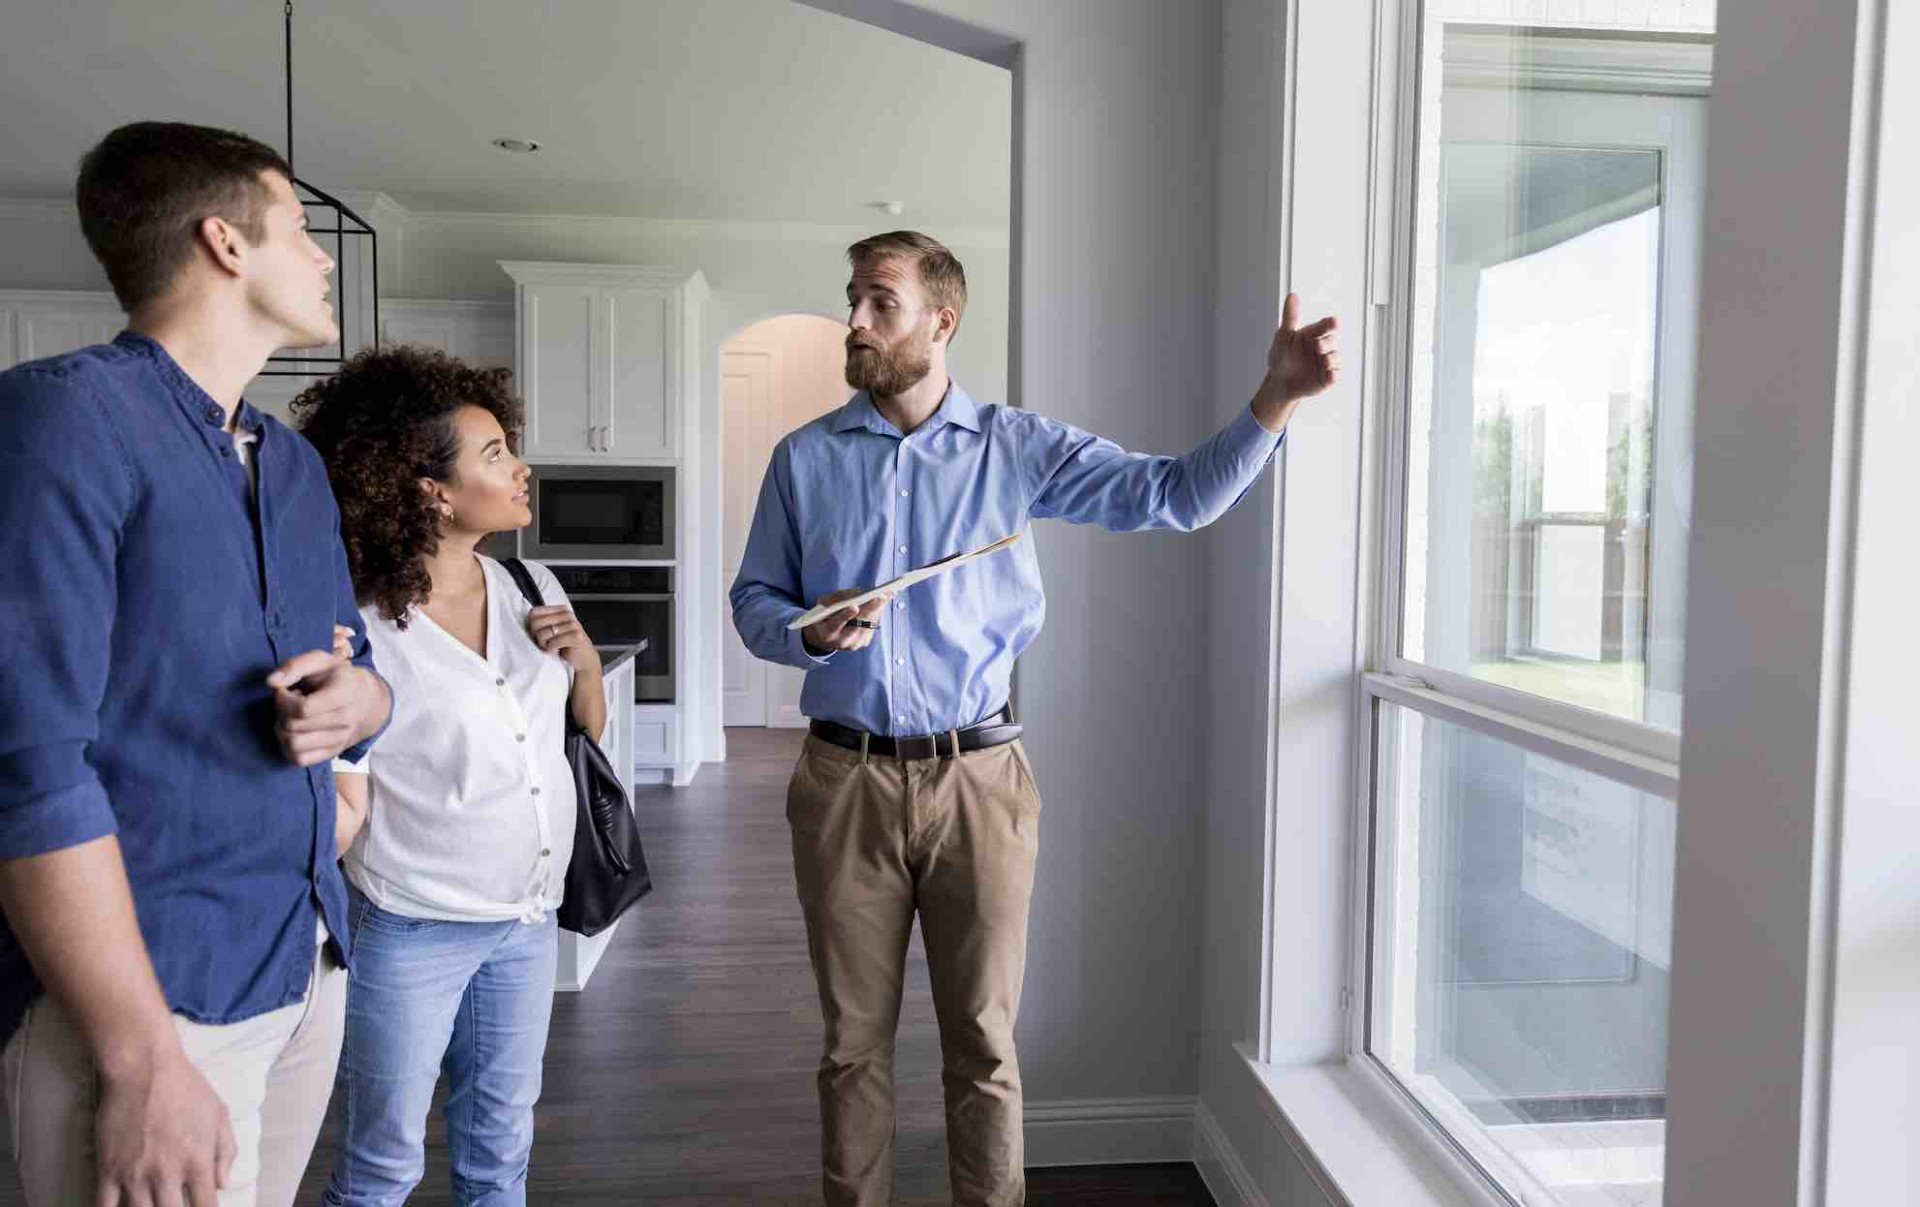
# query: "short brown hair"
[[940, 271], [144, 190]]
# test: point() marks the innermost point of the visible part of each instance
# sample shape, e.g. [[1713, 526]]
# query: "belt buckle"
[[922, 747]]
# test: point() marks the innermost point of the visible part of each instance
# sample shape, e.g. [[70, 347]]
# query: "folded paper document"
[[906, 580]]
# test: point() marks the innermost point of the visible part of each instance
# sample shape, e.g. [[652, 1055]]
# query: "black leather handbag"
[[609, 870]]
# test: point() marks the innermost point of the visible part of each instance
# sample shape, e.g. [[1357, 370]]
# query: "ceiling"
[[751, 110]]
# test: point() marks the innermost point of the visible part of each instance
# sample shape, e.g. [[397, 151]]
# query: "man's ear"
[[224, 244], [946, 323]]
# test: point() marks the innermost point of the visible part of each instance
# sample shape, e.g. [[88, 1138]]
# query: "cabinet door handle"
[[593, 439]]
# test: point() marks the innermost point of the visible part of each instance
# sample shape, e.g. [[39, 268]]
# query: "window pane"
[[1555, 276], [1522, 930]]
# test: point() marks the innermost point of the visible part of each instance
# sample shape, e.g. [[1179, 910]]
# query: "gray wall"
[[1113, 264], [1248, 249]]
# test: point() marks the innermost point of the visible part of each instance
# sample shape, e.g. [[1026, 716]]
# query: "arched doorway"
[[776, 375]]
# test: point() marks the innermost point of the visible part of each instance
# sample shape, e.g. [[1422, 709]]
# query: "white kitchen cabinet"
[[640, 416], [39, 323], [558, 370], [479, 333], [656, 736], [603, 359]]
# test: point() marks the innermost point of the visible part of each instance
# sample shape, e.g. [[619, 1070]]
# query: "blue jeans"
[[470, 998]]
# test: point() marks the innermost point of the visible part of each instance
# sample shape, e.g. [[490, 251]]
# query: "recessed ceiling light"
[[892, 209], [520, 146]]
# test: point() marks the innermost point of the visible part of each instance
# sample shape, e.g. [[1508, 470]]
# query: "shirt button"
[[226, 452], [213, 414], [905, 493], [901, 717], [499, 682], [899, 661], [544, 852], [519, 737], [536, 791], [903, 548]]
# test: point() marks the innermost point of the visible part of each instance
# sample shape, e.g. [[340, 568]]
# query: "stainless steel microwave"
[[600, 513]]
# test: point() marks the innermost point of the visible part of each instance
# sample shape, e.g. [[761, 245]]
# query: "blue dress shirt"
[[141, 610], [848, 501]]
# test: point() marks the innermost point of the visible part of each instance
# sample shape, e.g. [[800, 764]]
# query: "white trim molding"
[[1219, 1163], [1109, 1131], [700, 229], [1613, 60]]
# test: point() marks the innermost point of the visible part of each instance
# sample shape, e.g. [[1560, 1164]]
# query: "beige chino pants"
[[274, 1073], [876, 840]]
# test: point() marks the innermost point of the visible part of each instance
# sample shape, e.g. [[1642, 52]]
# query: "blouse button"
[[536, 791], [544, 851], [499, 682]]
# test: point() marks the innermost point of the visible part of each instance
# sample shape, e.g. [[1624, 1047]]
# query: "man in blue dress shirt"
[[912, 792], [170, 702]]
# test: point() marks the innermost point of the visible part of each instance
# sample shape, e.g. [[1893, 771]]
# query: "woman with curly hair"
[[458, 827]]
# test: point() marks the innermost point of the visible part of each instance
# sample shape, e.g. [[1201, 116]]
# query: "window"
[[1525, 665]]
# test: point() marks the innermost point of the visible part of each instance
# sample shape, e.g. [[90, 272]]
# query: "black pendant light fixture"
[[329, 218]]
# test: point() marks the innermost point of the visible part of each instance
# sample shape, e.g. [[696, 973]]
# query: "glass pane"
[[1555, 277], [1522, 929]]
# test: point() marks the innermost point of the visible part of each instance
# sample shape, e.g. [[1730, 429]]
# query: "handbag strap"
[[523, 578]]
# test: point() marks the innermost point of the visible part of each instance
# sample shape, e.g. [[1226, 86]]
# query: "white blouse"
[[471, 803]]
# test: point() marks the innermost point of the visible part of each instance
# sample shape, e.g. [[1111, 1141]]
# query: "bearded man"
[[913, 792]]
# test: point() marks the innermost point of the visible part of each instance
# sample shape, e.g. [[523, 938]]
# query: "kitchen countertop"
[[611, 656]]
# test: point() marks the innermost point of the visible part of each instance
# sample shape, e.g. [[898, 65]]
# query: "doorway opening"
[[775, 376]]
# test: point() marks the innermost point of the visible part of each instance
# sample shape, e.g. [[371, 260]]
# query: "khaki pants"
[[874, 840], [274, 1073]]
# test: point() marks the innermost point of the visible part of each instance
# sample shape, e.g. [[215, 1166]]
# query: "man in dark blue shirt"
[[170, 699]]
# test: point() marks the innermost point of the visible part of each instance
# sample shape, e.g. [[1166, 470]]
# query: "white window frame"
[[1639, 755], [1782, 998]]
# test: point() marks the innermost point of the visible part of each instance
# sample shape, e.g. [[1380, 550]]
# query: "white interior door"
[[778, 375], [746, 394]]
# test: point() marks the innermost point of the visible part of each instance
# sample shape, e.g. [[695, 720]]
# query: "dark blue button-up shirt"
[[143, 602]]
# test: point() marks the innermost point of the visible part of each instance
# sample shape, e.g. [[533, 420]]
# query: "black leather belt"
[[996, 730]]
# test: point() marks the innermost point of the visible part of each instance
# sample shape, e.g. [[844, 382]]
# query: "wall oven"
[[622, 605], [600, 513]]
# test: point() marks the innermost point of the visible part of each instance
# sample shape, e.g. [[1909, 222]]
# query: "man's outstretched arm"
[[1085, 479]]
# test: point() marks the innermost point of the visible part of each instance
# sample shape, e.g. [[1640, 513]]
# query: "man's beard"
[[889, 372]]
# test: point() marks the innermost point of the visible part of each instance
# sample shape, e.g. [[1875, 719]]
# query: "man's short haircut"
[[145, 189], [940, 272]]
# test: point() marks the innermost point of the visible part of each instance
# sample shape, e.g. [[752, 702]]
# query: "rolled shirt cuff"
[[64, 818]]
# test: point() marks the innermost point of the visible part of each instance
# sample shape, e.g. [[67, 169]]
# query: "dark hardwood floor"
[[683, 1075]]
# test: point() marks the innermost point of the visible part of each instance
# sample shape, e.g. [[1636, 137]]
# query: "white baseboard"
[[1220, 1165], [1109, 1131]]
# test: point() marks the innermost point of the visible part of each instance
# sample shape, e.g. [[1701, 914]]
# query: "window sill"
[[1351, 1141]]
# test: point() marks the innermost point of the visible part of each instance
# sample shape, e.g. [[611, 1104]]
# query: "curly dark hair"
[[382, 423]]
